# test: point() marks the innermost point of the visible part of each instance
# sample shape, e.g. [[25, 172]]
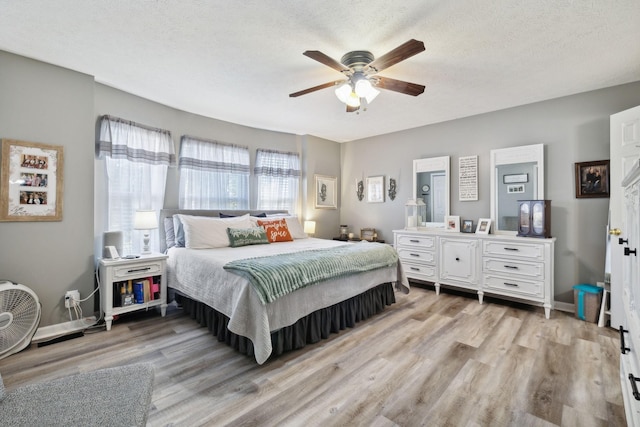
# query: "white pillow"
[[293, 224], [201, 232]]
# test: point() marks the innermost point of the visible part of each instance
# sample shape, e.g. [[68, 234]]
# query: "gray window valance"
[[124, 139]]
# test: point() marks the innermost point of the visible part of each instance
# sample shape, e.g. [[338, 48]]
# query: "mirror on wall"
[[517, 173], [431, 184]]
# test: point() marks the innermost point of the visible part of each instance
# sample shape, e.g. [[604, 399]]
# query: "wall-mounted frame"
[[515, 188], [484, 226], [375, 189], [515, 178], [31, 181], [592, 179], [368, 234], [452, 223], [326, 192]]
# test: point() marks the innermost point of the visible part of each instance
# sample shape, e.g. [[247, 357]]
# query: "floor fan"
[[19, 317]]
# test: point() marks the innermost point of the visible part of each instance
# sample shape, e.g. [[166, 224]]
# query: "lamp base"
[[145, 249]]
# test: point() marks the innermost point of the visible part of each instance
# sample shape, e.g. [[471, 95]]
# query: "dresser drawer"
[[418, 255], [136, 270], [426, 242], [516, 287], [510, 267], [420, 271], [514, 250]]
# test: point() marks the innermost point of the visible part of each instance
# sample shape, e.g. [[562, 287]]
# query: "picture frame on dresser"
[[467, 226], [452, 223], [484, 226]]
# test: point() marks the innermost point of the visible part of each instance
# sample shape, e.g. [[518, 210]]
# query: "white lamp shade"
[[343, 91], [145, 220], [363, 87], [353, 100], [373, 92], [310, 227]]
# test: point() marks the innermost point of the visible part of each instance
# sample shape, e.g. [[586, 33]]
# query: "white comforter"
[[198, 274]]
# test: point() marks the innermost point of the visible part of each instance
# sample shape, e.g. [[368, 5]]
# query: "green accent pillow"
[[247, 236]]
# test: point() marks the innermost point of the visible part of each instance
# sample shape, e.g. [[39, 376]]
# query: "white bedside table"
[[116, 273]]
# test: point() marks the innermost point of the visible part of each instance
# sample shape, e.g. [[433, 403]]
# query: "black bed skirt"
[[308, 330]]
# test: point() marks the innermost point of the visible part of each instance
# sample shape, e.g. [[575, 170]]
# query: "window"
[[137, 158], [278, 176], [213, 175]]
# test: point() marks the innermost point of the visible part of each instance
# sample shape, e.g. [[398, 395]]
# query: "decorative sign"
[[468, 183]]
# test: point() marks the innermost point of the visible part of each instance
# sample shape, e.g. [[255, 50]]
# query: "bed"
[[260, 324]]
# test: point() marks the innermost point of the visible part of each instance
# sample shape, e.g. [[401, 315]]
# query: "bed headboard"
[[168, 213]]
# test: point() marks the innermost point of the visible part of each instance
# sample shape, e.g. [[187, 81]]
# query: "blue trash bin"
[[586, 300]]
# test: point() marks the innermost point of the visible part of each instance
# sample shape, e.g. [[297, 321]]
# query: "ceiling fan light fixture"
[[363, 87], [343, 91], [372, 95], [353, 100]]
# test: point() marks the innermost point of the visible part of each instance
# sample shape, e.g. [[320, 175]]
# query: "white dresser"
[[518, 268]]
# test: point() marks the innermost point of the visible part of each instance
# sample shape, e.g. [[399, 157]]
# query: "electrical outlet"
[[71, 298]]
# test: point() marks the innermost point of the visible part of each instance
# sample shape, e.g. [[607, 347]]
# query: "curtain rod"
[[129, 122]]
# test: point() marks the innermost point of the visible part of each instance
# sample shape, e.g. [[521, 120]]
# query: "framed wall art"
[[375, 189], [326, 192], [31, 181], [467, 226], [592, 179]]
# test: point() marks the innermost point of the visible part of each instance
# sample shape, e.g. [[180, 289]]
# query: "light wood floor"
[[427, 360]]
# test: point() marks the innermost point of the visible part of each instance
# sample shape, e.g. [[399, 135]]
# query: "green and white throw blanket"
[[278, 275]]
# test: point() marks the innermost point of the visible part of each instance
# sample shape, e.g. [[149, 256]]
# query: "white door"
[[625, 150]]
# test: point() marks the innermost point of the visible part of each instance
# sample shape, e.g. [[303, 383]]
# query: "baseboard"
[[50, 332], [564, 306]]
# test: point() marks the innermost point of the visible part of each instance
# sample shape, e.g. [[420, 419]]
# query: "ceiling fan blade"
[[324, 59], [315, 88], [352, 109], [407, 88], [402, 52]]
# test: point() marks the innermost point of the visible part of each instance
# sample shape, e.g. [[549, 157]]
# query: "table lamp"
[[145, 220], [310, 227]]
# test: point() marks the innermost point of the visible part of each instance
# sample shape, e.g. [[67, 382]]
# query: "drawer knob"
[[457, 259], [514, 285], [414, 241], [513, 267], [418, 255], [511, 249], [415, 268]]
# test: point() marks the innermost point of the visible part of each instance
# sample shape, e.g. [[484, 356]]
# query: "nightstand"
[[128, 285]]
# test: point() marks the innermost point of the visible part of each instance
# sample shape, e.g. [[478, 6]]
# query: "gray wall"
[[44, 103], [52, 105], [572, 129]]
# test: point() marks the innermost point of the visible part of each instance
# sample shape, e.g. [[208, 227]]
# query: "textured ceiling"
[[238, 60]]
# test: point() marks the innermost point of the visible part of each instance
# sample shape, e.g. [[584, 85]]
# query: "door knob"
[[615, 231]]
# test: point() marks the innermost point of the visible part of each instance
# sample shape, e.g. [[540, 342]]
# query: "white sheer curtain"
[[213, 175], [278, 176], [137, 158]]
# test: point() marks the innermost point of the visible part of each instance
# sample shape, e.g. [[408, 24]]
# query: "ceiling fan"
[[361, 68]]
